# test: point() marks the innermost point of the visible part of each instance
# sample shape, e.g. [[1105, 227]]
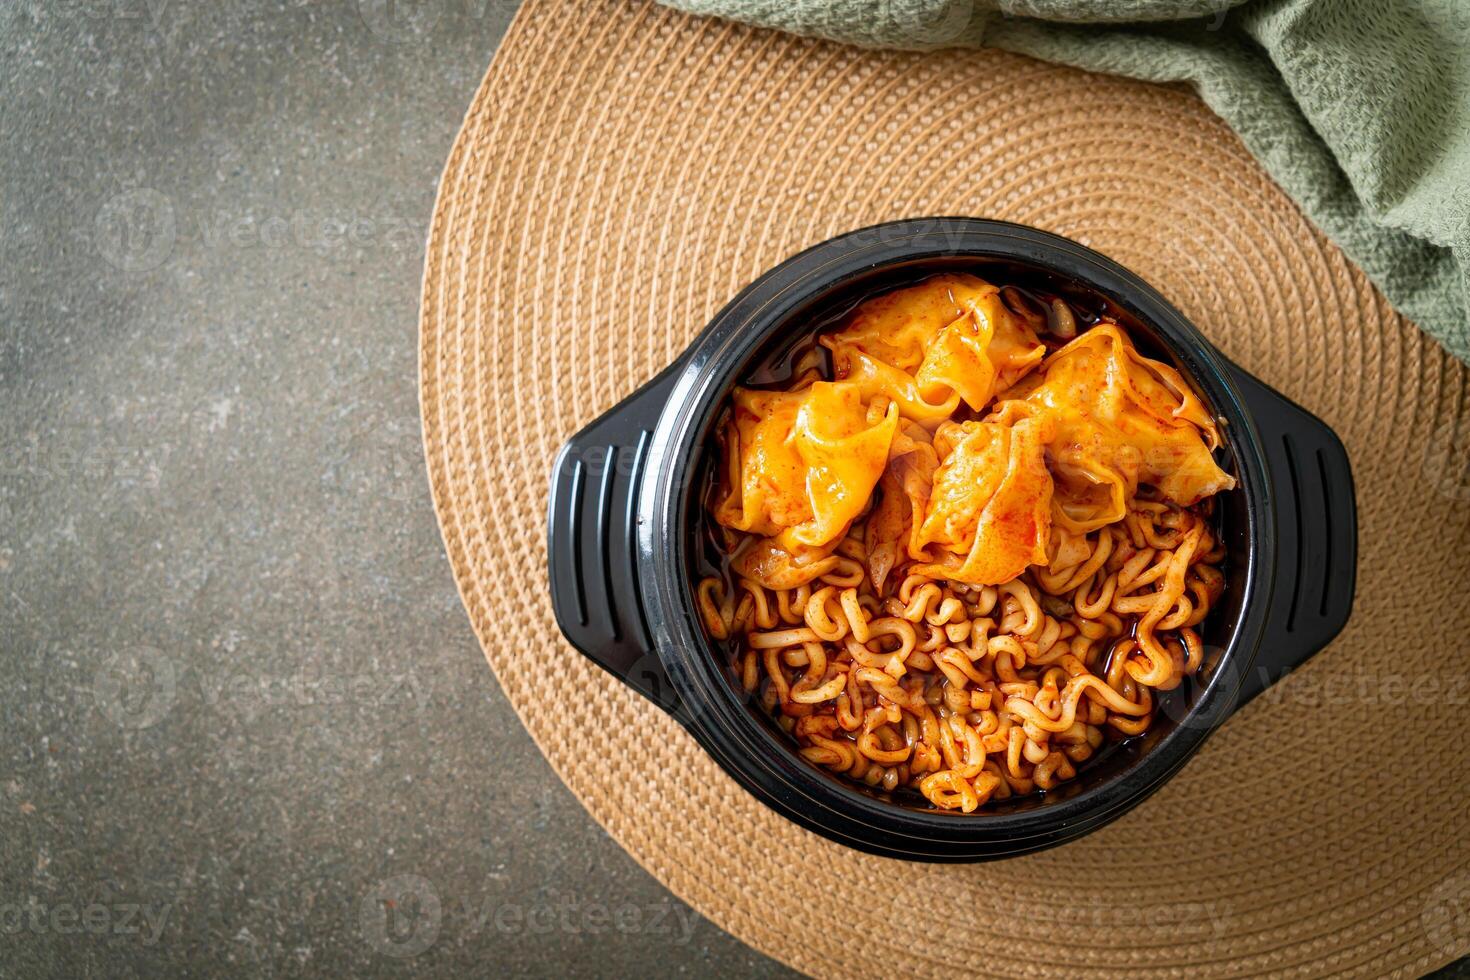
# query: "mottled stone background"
[[242, 709]]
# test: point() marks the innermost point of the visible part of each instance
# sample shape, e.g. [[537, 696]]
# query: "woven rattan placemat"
[[624, 170]]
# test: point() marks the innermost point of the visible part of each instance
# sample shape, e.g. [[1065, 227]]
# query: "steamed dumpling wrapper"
[[1117, 419], [988, 516], [760, 560], [801, 465], [903, 491], [929, 347], [972, 501], [973, 504]]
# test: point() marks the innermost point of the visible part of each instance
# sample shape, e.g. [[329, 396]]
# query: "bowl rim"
[[720, 719]]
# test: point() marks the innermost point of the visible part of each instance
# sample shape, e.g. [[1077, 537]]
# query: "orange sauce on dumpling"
[[802, 464], [1119, 419], [946, 407], [931, 347]]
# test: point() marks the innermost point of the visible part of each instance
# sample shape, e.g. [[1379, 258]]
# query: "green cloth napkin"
[[1360, 109]]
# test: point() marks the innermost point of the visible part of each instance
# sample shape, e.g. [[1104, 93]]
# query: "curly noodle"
[[966, 693]]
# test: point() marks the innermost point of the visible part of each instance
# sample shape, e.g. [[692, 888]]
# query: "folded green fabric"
[[1360, 109]]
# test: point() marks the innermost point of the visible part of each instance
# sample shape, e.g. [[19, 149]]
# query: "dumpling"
[[801, 465], [891, 535], [988, 515], [1117, 419], [760, 560], [931, 346]]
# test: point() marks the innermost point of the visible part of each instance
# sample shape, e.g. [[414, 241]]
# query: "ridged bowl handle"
[[592, 541], [1316, 534]]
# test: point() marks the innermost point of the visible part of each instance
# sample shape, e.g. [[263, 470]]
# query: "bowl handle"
[[1316, 534], [592, 542]]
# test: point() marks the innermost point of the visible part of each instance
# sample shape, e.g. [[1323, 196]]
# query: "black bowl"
[[625, 514]]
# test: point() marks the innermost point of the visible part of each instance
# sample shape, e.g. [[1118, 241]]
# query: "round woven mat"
[[624, 170]]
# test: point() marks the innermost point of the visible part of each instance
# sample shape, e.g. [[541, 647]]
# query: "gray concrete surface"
[[244, 724]]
